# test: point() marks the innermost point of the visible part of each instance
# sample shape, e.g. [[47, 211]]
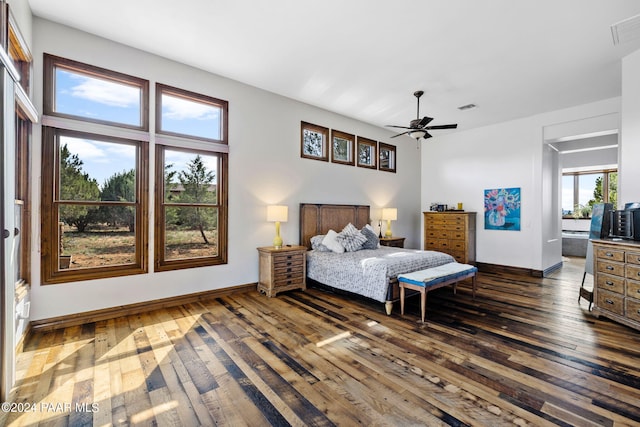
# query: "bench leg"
[[401, 300], [423, 303], [474, 286]]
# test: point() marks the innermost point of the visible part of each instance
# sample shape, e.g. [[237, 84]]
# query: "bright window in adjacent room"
[[581, 190]]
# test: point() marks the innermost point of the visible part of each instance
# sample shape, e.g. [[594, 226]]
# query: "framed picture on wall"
[[367, 153], [387, 157], [314, 141], [342, 147], [502, 209]]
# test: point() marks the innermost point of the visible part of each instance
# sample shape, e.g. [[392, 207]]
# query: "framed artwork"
[[314, 142], [342, 147], [387, 157], [502, 209], [367, 153]]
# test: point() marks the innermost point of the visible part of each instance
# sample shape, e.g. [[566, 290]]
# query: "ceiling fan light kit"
[[418, 128]]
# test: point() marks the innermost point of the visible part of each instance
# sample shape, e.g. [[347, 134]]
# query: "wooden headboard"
[[319, 218]]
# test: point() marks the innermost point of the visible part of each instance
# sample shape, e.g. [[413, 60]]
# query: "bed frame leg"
[[388, 307]]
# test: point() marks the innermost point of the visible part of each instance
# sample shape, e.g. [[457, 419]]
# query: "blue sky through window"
[[188, 117], [97, 99]]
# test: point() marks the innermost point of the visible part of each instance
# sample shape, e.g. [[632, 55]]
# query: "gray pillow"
[[372, 241], [351, 238]]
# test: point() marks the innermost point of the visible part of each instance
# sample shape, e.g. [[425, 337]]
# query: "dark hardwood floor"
[[525, 352]]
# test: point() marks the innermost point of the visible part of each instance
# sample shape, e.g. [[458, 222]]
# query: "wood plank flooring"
[[525, 352]]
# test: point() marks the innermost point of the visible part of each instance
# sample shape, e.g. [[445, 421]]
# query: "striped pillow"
[[351, 238]]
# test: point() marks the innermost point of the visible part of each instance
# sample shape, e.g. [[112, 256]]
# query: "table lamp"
[[277, 214], [389, 214]]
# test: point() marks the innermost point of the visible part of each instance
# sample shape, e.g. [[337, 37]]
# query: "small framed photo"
[[367, 153], [314, 141], [387, 157], [342, 147]]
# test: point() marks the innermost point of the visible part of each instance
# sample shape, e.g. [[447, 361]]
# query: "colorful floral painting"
[[502, 209]]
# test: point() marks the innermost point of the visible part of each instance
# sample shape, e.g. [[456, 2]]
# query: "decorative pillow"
[[332, 243], [316, 244], [372, 240], [351, 238]]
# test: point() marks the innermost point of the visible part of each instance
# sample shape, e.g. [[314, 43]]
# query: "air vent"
[[626, 30], [467, 107]]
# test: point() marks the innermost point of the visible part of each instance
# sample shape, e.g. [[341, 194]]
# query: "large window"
[[191, 180], [94, 177], [581, 190]]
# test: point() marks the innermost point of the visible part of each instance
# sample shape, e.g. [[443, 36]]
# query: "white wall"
[[460, 166], [264, 167], [629, 176]]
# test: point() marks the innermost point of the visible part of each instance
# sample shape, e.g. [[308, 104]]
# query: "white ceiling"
[[365, 58]]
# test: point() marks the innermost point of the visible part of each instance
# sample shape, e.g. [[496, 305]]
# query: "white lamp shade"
[[277, 213], [390, 214]]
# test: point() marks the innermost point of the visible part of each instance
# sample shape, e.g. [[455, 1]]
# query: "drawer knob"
[[611, 283], [608, 301], [609, 254], [609, 267]]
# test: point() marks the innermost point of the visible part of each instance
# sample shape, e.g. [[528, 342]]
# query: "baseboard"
[[76, 319], [497, 268]]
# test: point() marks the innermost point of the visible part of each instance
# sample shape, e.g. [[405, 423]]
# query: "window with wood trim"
[[94, 176], [83, 92], [187, 114], [191, 208], [191, 180]]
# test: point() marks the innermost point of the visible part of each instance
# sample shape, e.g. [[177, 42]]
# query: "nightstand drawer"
[[610, 254], [633, 289], [610, 283], [615, 268], [633, 309], [611, 301], [633, 258], [632, 272]]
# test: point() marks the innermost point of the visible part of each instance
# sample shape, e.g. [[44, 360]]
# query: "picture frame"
[[342, 148], [367, 153], [386, 157], [314, 142], [502, 209]]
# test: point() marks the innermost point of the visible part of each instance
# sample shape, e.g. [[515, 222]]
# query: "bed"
[[371, 273]]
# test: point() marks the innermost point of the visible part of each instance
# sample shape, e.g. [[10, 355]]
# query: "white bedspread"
[[367, 272]]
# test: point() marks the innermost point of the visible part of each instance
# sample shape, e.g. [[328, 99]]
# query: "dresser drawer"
[[458, 255], [457, 235], [611, 301], [605, 266], [633, 289], [431, 244], [632, 271], [610, 254], [437, 233], [633, 258], [610, 283], [287, 260], [633, 309]]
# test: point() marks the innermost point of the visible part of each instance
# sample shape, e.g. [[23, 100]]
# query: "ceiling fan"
[[418, 128]]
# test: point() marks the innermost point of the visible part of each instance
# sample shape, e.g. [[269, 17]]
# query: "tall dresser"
[[616, 291], [453, 233]]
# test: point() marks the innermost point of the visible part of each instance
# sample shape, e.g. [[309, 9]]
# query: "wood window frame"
[[392, 157], [51, 271], [194, 97], [350, 147], [51, 62], [162, 264], [325, 141], [366, 142]]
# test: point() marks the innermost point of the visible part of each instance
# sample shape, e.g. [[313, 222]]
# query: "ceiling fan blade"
[[426, 135], [401, 127], [425, 121], [403, 133], [453, 126]]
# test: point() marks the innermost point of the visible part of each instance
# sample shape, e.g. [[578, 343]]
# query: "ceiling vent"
[[467, 107], [626, 30]]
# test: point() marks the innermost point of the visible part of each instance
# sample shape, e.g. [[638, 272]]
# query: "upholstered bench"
[[427, 280]]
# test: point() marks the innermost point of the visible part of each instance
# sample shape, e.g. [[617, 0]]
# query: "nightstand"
[[282, 269], [396, 242]]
